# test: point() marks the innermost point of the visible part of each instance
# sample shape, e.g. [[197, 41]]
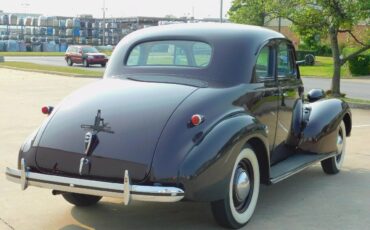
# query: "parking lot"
[[309, 200]]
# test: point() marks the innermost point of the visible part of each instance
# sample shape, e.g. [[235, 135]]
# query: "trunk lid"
[[135, 111]]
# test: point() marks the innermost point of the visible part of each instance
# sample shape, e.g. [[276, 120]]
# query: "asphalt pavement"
[[353, 88], [308, 200]]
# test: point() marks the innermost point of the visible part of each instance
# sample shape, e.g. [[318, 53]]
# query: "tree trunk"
[[335, 83]]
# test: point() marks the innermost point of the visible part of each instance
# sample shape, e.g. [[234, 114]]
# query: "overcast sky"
[[118, 8]]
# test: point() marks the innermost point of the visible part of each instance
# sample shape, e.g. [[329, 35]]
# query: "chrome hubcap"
[[241, 184]]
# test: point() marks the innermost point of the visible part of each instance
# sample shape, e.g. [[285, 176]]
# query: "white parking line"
[[360, 126]]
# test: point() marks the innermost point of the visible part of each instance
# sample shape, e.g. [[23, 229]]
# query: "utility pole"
[[104, 9], [221, 10], [279, 26]]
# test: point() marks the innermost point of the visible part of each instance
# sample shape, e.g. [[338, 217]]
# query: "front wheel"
[[85, 63], [334, 164], [237, 208], [69, 62], [81, 199], [103, 65]]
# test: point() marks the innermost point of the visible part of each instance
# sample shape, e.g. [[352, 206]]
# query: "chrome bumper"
[[126, 191]]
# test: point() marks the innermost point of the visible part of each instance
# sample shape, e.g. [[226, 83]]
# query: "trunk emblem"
[[92, 140], [99, 125], [91, 137]]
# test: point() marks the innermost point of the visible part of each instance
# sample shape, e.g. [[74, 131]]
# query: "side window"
[[285, 62], [263, 66]]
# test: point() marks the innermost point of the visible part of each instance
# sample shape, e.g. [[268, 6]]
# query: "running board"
[[294, 164]]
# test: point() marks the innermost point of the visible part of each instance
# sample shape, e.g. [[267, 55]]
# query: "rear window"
[[170, 53]]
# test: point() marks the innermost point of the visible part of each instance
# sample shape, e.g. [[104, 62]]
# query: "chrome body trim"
[[125, 191]]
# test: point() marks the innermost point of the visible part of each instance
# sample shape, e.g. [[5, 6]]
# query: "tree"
[[249, 12], [326, 18]]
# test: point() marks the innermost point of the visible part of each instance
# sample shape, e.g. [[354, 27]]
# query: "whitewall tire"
[[334, 164], [236, 210]]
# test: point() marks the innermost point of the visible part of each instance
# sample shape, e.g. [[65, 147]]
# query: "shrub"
[[360, 65], [324, 50]]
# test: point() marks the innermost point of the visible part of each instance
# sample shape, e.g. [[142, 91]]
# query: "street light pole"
[[221, 10], [104, 9]]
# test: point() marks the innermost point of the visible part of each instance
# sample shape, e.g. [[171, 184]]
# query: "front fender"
[[206, 170], [320, 132]]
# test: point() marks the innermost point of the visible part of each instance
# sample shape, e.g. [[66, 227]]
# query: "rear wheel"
[[103, 64], [237, 208], [85, 63], [334, 164], [69, 62], [81, 199]]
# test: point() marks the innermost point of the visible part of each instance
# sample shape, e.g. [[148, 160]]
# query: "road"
[[309, 200], [55, 61], [353, 88]]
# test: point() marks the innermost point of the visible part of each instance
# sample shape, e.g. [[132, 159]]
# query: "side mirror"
[[309, 59], [315, 95]]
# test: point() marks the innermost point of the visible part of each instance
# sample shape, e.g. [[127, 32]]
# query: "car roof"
[[80, 46], [208, 31], [229, 64]]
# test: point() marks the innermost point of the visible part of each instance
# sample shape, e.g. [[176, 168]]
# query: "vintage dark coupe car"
[[195, 112]]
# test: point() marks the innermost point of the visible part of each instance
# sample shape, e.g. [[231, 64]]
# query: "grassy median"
[[41, 54], [70, 71], [30, 54]]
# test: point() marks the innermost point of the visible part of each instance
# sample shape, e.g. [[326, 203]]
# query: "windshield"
[[170, 53], [89, 50]]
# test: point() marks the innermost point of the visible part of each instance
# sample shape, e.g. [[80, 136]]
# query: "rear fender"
[[206, 170], [319, 134]]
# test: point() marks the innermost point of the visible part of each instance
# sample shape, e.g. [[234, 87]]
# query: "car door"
[[78, 55], [74, 54], [265, 101], [290, 95]]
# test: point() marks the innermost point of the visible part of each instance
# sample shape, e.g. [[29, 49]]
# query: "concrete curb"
[[50, 72]]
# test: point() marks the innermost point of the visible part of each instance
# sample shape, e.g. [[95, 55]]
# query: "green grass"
[[48, 54], [323, 68], [356, 101], [42, 54], [70, 71]]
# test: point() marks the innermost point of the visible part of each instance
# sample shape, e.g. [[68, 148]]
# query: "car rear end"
[[97, 58]]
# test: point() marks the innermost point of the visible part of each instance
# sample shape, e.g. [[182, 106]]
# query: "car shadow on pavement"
[[140, 215], [294, 197]]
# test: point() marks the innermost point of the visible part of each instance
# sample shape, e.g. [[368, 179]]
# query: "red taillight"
[[196, 119], [47, 109]]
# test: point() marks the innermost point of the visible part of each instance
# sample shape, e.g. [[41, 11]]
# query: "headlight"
[[90, 57]]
